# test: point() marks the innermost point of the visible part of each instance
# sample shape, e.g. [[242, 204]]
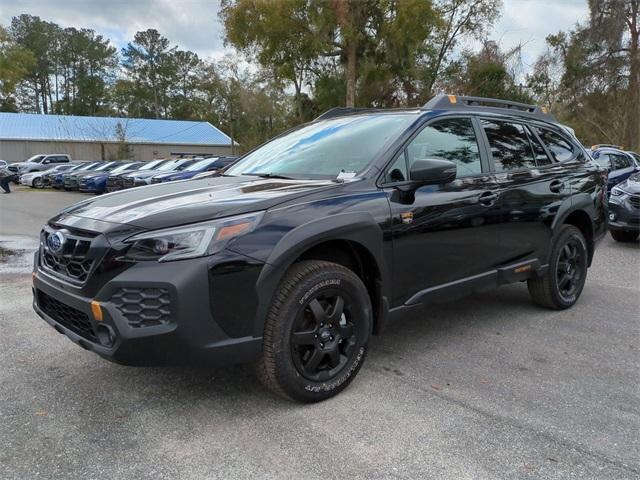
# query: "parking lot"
[[488, 387]]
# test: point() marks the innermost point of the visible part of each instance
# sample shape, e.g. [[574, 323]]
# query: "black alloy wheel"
[[570, 268], [561, 284], [324, 337], [317, 331]]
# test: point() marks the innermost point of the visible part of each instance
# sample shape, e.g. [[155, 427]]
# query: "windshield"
[[90, 166], [152, 165], [170, 165], [199, 165], [325, 148], [106, 166], [121, 168], [36, 159]]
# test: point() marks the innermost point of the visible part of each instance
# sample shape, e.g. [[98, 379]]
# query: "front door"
[[442, 233]]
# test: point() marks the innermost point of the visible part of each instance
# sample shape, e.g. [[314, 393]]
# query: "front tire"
[[317, 332], [624, 235], [561, 284], [37, 183]]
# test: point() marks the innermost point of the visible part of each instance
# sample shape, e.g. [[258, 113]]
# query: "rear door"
[[442, 234], [532, 187]]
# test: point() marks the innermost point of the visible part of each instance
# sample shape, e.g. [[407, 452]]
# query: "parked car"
[[3, 164], [624, 210], [139, 178], [39, 162], [212, 165], [70, 180], [115, 180], [307, 245], [618, 163], [96, 182], [56, 180], [36, 179], [636, 158]]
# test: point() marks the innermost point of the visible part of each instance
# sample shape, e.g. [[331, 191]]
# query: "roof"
[[29, 126]]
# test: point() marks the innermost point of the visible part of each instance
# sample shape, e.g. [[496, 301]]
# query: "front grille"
[[72, 318], [635, 200], [74, 261], [128, 182], [156, 180], [143, 307]]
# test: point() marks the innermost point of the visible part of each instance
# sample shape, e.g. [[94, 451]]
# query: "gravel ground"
[[488, 387]]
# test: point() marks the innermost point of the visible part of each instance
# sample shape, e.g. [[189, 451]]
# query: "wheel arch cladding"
[[580, 214], [353, 240]]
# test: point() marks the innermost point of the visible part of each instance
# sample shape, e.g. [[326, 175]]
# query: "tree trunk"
[[633, 112], [352, 60]]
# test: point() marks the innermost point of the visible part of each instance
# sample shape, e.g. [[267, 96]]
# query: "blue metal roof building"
[[96, 138]]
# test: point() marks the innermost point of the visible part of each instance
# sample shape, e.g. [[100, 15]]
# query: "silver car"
[[38, 163]]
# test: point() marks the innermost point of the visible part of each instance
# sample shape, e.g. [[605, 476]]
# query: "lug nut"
[[321, 324], [315, 336], [322, 345], [330, 338]]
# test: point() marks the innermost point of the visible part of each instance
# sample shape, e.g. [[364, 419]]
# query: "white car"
[[34, 179]]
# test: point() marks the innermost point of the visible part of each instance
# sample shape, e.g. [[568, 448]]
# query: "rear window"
[[561, 149], [509, 143]]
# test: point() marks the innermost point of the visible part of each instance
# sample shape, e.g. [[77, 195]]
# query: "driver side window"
[[452, 139]]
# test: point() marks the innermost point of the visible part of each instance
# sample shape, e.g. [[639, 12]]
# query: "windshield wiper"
[[267, 175]]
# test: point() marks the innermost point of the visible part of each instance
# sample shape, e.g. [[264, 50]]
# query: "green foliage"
[[591, 76]]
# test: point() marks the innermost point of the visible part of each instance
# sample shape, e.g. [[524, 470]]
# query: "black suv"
[[307, 245]]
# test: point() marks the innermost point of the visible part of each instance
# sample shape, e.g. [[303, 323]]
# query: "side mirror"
[[432, 171], [47, 161]]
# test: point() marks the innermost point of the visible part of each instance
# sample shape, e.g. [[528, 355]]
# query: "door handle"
[[556, 186], [488, 198]]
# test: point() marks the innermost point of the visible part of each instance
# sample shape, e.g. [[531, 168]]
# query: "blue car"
[[97, 182], [57, 181], [619, 164], [205, 165]]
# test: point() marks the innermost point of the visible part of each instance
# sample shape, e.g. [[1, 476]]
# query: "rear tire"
[[624, 235], [37, 183], [317, 332], [561, 284]]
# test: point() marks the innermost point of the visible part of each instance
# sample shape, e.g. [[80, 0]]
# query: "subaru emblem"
[[55, 242]]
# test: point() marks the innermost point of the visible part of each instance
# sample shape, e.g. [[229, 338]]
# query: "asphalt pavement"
[[489, 387]]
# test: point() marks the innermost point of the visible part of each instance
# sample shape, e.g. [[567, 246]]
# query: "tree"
[[460, 18], [148, 61], [15, 64], [40, 38]]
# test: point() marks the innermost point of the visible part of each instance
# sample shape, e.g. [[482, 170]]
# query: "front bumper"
[[623, 215], [186, 324]]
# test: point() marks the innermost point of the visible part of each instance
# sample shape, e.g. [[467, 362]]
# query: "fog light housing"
[[612, 217]]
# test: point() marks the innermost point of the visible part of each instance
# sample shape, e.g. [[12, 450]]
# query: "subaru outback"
[[308, 245]]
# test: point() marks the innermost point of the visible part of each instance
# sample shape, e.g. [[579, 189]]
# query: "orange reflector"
[[452, 98], [96, 309], [233, 230], [544, 110], [33, 275]]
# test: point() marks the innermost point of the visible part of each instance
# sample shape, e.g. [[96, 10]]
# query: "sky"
[[193, 24]]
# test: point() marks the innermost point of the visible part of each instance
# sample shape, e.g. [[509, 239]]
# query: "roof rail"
[[340, 111], [442, 101]]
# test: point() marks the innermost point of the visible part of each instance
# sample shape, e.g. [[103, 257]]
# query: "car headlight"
[[617, 191], [190, 241]]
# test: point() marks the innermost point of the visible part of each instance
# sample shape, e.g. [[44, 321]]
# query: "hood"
[[169, 204], [142, 174], [631, 184]]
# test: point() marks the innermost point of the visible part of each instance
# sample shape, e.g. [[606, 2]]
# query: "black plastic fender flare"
[[357, 227]]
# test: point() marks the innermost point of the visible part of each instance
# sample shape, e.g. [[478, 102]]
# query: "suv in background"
[[618, 163], [624, 210], [307, 245], [38, 163]]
